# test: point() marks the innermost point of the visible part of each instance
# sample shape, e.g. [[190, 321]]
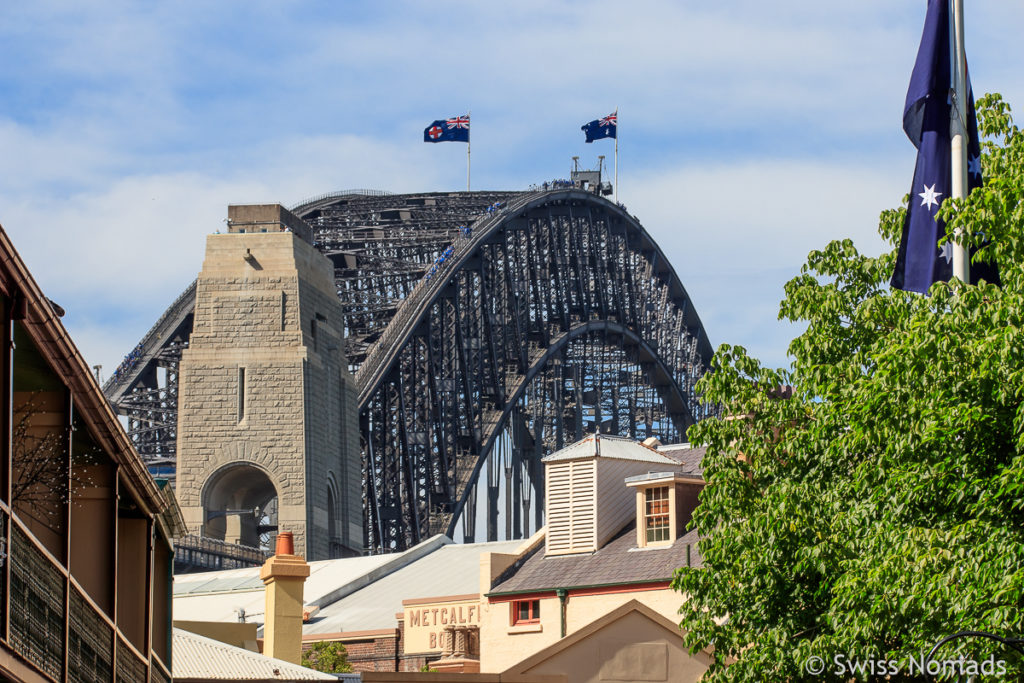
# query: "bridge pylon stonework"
[[266, 420]]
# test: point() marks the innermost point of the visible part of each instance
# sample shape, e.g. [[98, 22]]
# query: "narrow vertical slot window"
[[241, 394]]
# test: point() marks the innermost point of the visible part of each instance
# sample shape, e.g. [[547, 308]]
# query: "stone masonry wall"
[[332, 446], [266, 303]]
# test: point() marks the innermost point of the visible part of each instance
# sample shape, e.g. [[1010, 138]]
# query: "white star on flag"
[[946, 252], [974, 166], [929, 196]]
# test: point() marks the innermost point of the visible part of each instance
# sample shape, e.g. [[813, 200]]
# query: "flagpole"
[[468, 138], [958, 130], [616, 155]]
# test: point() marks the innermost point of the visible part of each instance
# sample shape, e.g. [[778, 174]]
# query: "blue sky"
[[750, 132]]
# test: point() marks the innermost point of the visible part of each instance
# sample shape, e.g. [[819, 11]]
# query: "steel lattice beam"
[[556, 314]]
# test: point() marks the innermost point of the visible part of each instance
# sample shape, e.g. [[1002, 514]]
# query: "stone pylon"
[[268, 433]]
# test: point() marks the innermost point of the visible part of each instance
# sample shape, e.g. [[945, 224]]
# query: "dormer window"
[[656, 520], [665, 502], [586, 504]]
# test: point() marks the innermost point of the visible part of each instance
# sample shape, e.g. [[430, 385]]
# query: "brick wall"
[[372, 654]]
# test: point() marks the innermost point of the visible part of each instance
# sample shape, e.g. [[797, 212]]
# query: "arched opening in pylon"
[[240, 506]]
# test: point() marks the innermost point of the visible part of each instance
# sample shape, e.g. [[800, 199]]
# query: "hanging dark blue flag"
[[455, 129], [602, 128], [926, 120]]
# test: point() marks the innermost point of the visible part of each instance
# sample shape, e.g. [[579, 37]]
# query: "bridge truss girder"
[[558, 316], [559, 321]]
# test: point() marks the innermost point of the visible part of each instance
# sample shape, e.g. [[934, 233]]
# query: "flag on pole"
[[926, 121], [602, 128], [455, 129]]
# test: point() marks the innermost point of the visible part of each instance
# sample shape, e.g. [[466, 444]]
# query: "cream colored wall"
[[582, 610], [502, 645], [243, 635], [630, 649]]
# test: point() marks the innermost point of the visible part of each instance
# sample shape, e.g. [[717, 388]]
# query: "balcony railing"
[[90, 643], [131, 667], [198, 553], [159, 673], [38, 596], [36, 606]]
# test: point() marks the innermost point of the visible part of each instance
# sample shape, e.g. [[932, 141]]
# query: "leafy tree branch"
[[881, 507]]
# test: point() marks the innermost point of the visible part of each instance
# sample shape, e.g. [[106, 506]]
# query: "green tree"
[[882, 506], [327, 656]]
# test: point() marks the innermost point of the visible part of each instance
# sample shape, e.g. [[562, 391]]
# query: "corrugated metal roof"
[[354, 594], [218, 596], [204, 658], [453, 569], [607, 446], [249, 578]]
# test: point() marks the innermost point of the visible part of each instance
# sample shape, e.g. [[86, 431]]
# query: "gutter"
[[55, 345], [535, 591]]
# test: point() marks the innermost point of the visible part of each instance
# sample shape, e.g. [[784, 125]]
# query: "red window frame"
[[525, 612]]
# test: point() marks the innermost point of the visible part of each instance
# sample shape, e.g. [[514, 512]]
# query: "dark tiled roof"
[[688, 458], [618, 562]]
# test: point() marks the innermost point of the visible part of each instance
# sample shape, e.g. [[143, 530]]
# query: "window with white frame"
[[656, 515]]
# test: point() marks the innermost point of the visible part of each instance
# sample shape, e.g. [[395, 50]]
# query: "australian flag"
[[926, 120], [455, 129], [602, 128]]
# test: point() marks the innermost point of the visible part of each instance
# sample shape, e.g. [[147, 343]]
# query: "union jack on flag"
[[459, 122], [454, 129], [606, 127]]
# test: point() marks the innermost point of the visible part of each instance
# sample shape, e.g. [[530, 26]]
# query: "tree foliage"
[[327, 656], [882, 506]]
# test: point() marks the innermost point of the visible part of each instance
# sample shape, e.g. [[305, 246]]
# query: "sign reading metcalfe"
[[425, 620]]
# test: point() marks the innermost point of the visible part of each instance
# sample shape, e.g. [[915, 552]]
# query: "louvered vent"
[[572, 507]]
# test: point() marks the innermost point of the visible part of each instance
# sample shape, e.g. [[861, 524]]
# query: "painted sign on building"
[[426, 619]]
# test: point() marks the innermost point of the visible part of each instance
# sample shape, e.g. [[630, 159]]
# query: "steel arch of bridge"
[[557, 311], [554, 315]]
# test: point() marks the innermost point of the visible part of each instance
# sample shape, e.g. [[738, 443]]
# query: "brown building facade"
[[85, 532]]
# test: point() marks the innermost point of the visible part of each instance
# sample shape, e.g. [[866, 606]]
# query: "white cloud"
[[116, 258], [752, 132]]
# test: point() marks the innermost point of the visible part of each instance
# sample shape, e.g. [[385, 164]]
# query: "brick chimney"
[[284, 575]]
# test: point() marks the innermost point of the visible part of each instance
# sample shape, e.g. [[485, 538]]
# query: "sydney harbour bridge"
[[484, 330]]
